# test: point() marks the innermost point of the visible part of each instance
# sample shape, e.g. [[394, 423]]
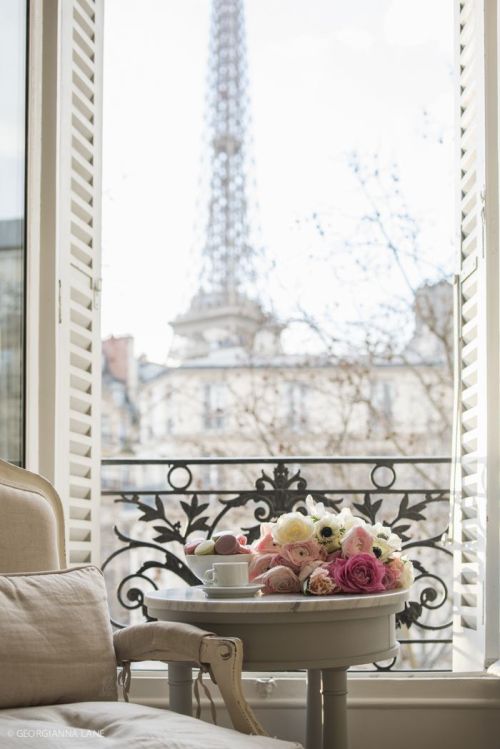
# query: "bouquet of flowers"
[[325, 553]]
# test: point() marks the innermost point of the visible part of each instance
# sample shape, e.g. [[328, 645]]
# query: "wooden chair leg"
[[224, 659]]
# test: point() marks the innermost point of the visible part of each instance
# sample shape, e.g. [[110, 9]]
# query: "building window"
[[169, 413], [106, 430], [296, 405], [214, 402], [13, 52], [381, 405]]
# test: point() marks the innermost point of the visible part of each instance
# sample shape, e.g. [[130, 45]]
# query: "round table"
[[324, 634]]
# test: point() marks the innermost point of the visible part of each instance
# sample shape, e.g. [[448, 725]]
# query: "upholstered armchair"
[[59, 658]]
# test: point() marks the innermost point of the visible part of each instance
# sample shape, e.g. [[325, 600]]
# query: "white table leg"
[[314, 729], [335, 709], [180, 685]]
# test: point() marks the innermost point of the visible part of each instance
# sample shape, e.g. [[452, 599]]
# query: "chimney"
[[119, 360]]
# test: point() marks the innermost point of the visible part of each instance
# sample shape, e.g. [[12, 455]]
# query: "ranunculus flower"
[[266, 543], [280, 561], [301, 552], [293, 527], [320, 583], [335, 555], [398, 573], [307, 569], [362, 573], [258, 564], [393, 571], [279, 580], [357, 541]]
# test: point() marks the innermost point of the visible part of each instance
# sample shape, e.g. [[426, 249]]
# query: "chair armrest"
[[159, 641], [174, 641]]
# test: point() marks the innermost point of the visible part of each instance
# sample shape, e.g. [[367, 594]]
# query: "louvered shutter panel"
[[77, 461], [476, 436]]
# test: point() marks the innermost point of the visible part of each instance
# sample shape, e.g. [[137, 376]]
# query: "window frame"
[[42, 317]]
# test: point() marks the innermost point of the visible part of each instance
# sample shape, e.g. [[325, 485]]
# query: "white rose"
[[293, 527], [408, 575]]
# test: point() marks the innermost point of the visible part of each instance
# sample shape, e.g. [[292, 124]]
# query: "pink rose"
[[281, 561], [363, 573], [301, 552], [265, 544], [357, 541], [320, 583], [258, 564], [393, 572], [279, 580]]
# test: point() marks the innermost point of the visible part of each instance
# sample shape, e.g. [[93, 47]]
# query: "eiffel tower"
[[223, 313]]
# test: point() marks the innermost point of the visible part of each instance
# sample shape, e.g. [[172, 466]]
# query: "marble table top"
[[193, 599]]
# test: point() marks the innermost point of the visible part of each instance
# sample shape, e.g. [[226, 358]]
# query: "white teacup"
[[227, 575]]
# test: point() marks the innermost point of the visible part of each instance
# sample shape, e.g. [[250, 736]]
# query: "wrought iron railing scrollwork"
[[184, 497]]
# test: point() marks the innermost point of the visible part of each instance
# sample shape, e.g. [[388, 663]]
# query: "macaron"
[[227, 544], [205, 547], [190, 547]]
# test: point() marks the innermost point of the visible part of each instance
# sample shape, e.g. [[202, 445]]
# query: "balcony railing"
[[151, 507]]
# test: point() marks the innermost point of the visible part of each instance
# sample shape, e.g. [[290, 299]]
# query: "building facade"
[[226, 398]]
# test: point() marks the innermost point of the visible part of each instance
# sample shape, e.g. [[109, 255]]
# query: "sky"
[[327, 78]]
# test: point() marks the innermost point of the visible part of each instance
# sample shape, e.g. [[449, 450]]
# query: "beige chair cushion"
[[30, 529], [118, 725], [56, 643]]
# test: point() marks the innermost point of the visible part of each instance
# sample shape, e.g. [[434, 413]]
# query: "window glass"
[[13, 21], [278, 252]]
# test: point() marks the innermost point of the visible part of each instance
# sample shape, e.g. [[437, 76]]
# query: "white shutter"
[[477, 383], [78, 344]]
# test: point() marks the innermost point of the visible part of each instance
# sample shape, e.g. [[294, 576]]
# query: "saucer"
[[240, 591]]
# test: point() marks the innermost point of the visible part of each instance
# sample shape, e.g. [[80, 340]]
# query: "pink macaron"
[[191, 546], [227, 544]]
